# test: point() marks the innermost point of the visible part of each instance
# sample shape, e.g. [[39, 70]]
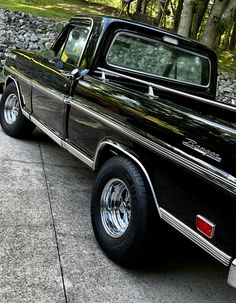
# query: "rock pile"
[[21, 30], [18, 29], [226, 91]]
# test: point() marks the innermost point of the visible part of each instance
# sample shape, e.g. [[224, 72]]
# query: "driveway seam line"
[[53, 223]]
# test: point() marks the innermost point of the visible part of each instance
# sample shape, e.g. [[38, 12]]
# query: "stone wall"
[[24, 31], [18, 29]]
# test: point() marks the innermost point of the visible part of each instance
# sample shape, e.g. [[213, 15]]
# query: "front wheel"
[[13, 122], [121, 209]]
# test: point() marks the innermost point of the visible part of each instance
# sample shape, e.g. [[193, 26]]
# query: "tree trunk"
[[186, 19], [211, 32], [161, 10], [178, 14], [139, 6], [229, 16], [228, 13], [200, 13], [232, 43]]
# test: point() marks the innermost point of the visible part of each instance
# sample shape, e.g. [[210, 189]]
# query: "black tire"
[[125, 245], [13, 122]]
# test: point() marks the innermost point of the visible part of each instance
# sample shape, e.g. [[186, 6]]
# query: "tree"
[[186, 19], [216, 21], [232, 43], [200, 11], [177, 14]]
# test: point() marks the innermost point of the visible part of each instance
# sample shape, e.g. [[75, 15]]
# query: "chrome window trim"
[[209, 172], [89, 33], [158, 76], [195, 237], [171, 90], [76, 23]]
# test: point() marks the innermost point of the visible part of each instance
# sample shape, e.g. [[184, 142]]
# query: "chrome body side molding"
[[202, 168], [211, 173], [196, 238], [93, 163], [78, 154], [47, 131]]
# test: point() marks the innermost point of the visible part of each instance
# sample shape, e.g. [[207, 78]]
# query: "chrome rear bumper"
[[232, 274]]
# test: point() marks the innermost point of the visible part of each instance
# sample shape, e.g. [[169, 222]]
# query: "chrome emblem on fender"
[[205, 152]]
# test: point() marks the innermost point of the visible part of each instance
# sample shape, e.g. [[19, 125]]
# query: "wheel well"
[[105, 154], [8, 81], [110, 150]]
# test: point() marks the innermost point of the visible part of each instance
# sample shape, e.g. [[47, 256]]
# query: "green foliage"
[[227, 61], [113, 3], [224, 25], [195, 3], [56, 9]]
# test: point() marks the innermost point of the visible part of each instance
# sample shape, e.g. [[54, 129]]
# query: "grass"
[[53, 9], [227, 61]]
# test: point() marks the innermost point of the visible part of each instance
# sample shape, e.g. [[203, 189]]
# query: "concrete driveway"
[[48, 252]]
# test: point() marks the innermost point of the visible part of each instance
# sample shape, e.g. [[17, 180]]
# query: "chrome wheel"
[[11, 109], [115, 208]]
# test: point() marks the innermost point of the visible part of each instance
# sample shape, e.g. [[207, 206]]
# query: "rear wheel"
[[121, 208], [13, 122]]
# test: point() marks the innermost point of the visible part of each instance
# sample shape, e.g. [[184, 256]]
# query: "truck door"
[[53, 79]]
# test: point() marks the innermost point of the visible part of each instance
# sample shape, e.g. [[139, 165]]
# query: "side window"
[[71, 50], [158, 59]]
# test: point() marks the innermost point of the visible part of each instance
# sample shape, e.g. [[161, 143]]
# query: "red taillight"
[[205, 226]]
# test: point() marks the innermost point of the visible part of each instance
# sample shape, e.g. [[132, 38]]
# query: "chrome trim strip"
[[11, 70], [51, 93], [200, 167], [63, 143], [125, 151], [78, 154], [232, 274], [48, 91], [27, 115], [47, 131], [171, 90], [195, 237]]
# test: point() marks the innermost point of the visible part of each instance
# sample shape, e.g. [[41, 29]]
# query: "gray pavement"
[[48, 252]]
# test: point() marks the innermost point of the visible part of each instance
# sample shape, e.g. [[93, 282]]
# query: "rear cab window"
[[151, 57]]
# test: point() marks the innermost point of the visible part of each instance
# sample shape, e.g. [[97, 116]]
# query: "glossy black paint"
[[101, 109]]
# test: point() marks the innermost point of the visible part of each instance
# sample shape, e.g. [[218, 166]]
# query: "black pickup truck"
[[137, 105]]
